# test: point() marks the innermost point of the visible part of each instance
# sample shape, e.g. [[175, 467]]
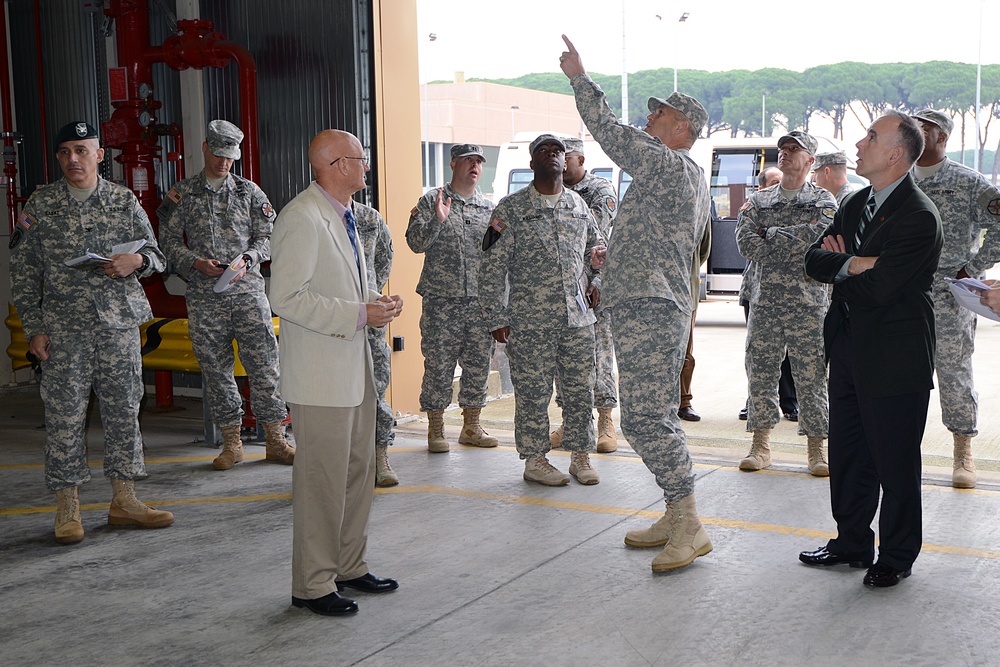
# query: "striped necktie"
[[866, 217], [352, 233]]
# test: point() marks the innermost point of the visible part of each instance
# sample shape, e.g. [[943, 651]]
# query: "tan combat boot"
[[580, 468], [472, 432], [686, 537], [760, 451], [555, 438], [277, 447], [127, 510], [538, 469], [232, 449], [69, 529], [384, 474], [963, 474], [607, 439], [818, 466], [436, 442]]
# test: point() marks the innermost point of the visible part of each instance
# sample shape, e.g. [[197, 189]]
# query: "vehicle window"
[[519, 179]]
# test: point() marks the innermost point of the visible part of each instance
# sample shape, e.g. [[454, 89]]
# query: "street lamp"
[[763, 114], [513, 108], [682, 19]]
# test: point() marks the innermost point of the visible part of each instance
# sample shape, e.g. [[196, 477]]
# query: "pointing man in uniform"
[[447, 225], [969, 204], [600, 196], [660, 222], [540, 241], [82, 323], [227, 219]]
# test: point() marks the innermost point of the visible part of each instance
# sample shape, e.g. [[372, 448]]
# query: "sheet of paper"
[[223, 283], [966, 298]]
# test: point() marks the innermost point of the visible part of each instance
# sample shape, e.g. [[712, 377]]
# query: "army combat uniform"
[[377, 242], [451, 325], [647, 284], [541, 252], [92, 321], [787, 308], [235, 220]]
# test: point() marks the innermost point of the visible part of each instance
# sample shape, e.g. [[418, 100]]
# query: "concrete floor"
[[493, 570]]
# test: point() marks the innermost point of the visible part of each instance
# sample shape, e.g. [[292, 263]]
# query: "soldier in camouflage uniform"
[[968, 204], [603, 202], [647, 285], [447, 225], [377, 242], [830, 172], [540, 241], [227, 219], [82, 323], [787, 308]]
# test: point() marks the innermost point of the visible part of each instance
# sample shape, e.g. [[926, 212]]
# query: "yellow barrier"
[[166, 345]]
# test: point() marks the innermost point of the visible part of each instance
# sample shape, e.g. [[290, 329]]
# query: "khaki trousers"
[[333, 482]]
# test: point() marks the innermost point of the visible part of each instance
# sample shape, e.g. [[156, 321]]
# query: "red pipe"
[[9, 150]]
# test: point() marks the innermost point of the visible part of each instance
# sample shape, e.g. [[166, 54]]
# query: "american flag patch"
[[497, 224], [25, 220], [174, 196]]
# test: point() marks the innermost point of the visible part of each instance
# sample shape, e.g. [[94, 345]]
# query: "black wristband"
[[248, 259], [145, 264]]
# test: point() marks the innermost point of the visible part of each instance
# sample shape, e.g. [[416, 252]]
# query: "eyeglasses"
[[366, 160], [790, 147]]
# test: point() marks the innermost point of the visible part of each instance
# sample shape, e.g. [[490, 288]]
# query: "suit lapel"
[[341, 241], [887, 210]]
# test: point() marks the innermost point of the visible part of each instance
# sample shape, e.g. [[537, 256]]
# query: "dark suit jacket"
[[890, 306]]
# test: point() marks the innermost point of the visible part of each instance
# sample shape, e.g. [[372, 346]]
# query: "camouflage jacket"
[[53, 227], [663, 215], [968, 204], [774, 234], [219, 225], [452, 248], [541, 252], [602, 199], [377, 242]]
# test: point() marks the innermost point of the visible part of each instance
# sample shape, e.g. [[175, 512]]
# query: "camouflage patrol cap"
[[463, 150], [936, 118], [687, 105], [802, 139], [545, 139], [223, 139], [830, 159], [78, 129], [573, 145]]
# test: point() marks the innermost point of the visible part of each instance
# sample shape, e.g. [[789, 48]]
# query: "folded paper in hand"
[[91, 260], [966, 293]]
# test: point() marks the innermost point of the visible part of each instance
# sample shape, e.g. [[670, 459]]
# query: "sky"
[[508, 38]]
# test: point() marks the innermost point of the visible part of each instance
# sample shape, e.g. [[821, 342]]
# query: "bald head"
[[338, 162]]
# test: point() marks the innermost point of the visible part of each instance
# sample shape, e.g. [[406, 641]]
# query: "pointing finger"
[[569, 45]]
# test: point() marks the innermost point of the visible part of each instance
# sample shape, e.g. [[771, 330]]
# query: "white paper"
[[92, 259], [962, 291], [234, 268]]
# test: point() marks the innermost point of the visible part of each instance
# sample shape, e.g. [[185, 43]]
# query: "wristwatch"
[[248, 259], [145, 264]]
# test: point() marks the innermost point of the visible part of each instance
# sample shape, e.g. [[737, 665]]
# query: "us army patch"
[[15, 238], [493, 232], [612, 204], [829, 212], [267, 209], [745, 206], [994, 206], [413, 212], [25, 220], [174, 196]]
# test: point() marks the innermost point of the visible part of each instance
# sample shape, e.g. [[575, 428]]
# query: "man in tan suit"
[[320, 290]]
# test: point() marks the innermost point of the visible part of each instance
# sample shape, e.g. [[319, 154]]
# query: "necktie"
[[866, 217], [352, 233]]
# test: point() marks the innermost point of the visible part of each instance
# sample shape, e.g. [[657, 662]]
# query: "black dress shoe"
[[687, 413], [743, 414], [881, 575], [823, 557], [792, 415], [328, 605], [369, 583]]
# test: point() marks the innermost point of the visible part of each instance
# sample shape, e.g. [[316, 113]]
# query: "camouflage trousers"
[[214, 320], [452, 333], [606, 378], [536, 356], [799, 330], [956, 341], [385, 420], [109, 361], [650, 341]]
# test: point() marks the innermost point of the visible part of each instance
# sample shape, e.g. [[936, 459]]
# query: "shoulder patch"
[[15, 238], [413, 211], [174, 196], [994, 206], [612, 203], [747, 204], [829, 211], [25, 220], [267, 209], [493, 232]]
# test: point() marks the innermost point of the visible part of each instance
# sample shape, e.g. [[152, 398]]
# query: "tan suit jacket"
[[317, 292]]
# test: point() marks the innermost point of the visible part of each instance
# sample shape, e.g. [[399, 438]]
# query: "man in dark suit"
[[880, 253]]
